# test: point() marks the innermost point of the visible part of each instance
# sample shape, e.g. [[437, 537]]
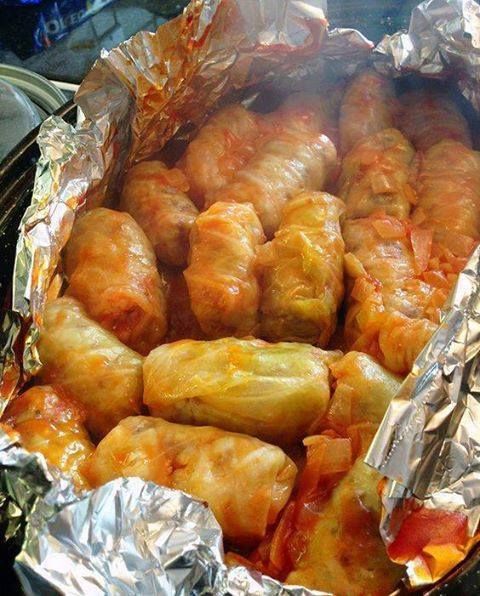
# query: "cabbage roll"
[[272, 391], [392, 312], [328, 536], [245, 482], [375, 176], [368, 106], [283, 165], [53, 425], [90, 364], [301, 111], [427, 117], [224, 291], [392, 338], [335, 543], [448, 191], [156, 199], [302, 271], [381, 246], [222, 146], [447, 187], [111, 269], [334, 514], [363, 391]]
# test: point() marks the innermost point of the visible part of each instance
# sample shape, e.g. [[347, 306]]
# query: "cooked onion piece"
[[302, 271], [224, 291], [245, 482], [111, 269], [53, 425], [272, 391], [90, 364], [156, 199]]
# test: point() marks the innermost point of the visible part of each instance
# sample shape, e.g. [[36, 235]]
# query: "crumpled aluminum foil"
[[443, 39], [135, 537]]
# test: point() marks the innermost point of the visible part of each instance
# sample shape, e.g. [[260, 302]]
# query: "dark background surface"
[[70, 58]]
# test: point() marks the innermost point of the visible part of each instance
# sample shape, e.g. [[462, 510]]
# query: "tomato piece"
[[425, 527]]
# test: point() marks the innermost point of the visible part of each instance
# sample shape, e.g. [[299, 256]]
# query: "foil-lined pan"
[[132, 536]]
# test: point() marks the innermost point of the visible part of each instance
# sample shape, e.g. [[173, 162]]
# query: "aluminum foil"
[[443, 40], [135, 537]]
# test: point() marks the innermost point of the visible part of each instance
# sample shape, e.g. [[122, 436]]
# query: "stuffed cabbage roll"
[[53, 425], [224, 292], [282, 166], [156, 199], [271, 391], [363, 391], [401, 340], [318, 110], [245, 482], [448, 191], [368, 106], [301, 111], [222, 146], [334, 514], [389, 336], [427, 117], [90, 364], [335, 544], [111, 269], [392, 311], [302, 271], [381, 246], [328, 536], [375, 176]]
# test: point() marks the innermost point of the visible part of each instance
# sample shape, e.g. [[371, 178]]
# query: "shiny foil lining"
[[134, 537]]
